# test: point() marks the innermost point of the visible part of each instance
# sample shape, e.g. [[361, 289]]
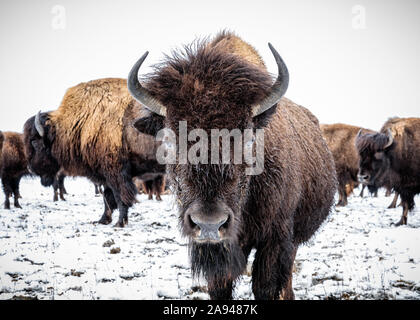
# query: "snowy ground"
[[53, 251]]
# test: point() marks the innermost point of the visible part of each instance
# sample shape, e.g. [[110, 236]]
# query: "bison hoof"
[[119, 224], [105, 220], [400, 223], [18, 206], [391, 206]]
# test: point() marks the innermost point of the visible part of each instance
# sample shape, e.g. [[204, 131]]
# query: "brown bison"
[[91, 135], [224, 211], [392, 157], [340, 139], [151, 184], [13, 166]]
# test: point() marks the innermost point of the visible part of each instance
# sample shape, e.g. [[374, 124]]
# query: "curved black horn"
[[38, 125], [278, 89], [140, 93]]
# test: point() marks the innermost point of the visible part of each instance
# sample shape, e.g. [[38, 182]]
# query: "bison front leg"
[[7, 200], [394, 201], [123, 209], [342, 200], [220, 288], [8, 191], [123, 218], [408, 204], [16, 193], [272, 271], [61, 187], [110, 205], [55, 187], [361, 192]]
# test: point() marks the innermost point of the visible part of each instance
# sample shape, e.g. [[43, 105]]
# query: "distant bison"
[[151, 184], [91, 135], [13, 166], [341, 141], [392, 157], [223, 84]]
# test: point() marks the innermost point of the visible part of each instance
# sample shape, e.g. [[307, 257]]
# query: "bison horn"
[[140, 93], [277, 90], [38, 125], [390, 138]]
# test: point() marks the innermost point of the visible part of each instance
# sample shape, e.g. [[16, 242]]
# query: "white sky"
[[342, 74]]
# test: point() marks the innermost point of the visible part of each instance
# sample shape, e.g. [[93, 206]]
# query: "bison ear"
[[149, 125]]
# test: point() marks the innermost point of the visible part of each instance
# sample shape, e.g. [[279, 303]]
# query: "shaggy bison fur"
[[391, 158], [213, 85], [91, 135]]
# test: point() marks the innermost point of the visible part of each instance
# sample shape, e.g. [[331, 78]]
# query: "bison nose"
[[363, 177], [208, 228]]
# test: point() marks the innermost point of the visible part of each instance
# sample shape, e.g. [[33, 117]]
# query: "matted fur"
[[212, 85], [97, 129], [341, 141]]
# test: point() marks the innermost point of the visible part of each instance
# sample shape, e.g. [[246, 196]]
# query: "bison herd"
[[106, 130]]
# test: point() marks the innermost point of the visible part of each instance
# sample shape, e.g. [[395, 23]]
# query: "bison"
[[13, 166], [224, 210], [392, 157], [91, 135], [151, 184], [340, 139]]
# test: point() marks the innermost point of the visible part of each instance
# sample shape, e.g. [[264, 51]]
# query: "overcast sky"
[[356, 62]]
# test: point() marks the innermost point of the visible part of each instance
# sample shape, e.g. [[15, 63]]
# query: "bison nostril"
[[363, 177], [208, 228], [191, 223], [225, 225]]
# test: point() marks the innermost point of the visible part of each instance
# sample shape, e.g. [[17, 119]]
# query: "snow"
[[54, 250]]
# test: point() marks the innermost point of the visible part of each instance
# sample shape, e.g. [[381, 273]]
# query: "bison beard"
[[217, 262]]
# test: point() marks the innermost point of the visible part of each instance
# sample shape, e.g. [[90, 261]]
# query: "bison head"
[[374, 157], [38, 139], [209, 89]]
